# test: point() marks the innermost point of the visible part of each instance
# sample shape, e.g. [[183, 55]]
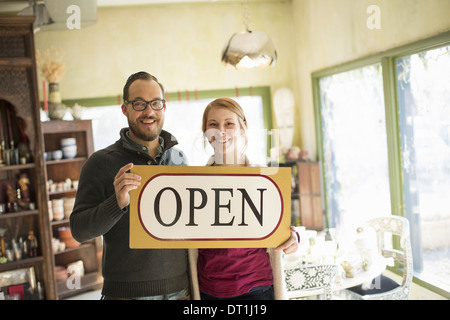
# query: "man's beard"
[[145, 136]]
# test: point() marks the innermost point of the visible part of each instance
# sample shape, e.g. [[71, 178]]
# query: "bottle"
[[24, 246], [40, 291], [32, 244]]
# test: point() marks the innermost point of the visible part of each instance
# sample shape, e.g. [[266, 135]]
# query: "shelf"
[[306, 196], [19, 263], [64, 161], [62, 192], [18, 84], [61, 170], [297, 194], [17, 167], [89, 281], [19, 214], [80, 247], [16, 62], [59, 222]]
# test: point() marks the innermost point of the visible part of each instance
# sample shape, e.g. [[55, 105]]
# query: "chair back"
[[398, 226], [308, 280]]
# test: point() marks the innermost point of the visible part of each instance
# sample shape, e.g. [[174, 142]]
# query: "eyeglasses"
[[141, 105]]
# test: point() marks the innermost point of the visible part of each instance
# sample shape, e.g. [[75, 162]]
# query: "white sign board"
[[210, 207]]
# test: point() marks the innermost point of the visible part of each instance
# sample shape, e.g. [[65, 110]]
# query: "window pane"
[[424, 105], [106, 124], [184, 120], [355, 147]]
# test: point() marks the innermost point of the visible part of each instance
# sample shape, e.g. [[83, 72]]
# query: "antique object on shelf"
[[32, 244], [24, 188], [56, 109], [69, 148], [11, 196], [66, 236], [53, 68]]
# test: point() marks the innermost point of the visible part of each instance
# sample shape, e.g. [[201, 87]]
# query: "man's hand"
[[123, 183]]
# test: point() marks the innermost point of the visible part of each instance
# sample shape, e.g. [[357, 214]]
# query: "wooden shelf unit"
[[19, 95], [307, 205], [59, 170]]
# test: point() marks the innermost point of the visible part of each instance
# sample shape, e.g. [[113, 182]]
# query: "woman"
[[241, 274]]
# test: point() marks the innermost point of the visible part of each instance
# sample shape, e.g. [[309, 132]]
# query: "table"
[[311, 281], [365, 277]]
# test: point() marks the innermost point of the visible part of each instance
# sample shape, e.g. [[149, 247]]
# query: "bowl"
[[68, 207], [66, 236], [60, 273], [69, 152], [57, 155], [68, 142]]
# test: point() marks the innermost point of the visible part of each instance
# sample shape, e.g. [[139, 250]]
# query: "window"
[[354, 147], [183, 118], [383, 131], [423, 81], [184, 121], [106, 124]]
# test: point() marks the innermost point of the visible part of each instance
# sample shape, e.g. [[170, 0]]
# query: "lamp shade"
[[249, 49], [59, 11], [61, 14], [39, 10]]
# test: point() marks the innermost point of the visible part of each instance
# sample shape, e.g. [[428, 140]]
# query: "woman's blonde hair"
[[230, 104]]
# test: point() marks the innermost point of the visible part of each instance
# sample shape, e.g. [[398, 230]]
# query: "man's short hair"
[[141, 75]]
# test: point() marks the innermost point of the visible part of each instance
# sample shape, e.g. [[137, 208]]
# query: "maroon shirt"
[[232, 272]]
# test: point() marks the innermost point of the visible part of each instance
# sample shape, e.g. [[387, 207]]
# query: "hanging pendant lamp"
[[249, 49]]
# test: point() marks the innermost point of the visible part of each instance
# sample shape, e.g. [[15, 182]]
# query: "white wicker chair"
[[389, 290], [309, 280]]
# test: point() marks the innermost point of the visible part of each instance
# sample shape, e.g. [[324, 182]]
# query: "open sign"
[[210, 207]]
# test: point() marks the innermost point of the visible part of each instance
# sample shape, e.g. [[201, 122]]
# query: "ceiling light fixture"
[[61, 14], [39, 10], [249, 49]]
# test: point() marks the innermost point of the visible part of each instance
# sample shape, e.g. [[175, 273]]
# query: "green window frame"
[[263, 92], [387, 60]]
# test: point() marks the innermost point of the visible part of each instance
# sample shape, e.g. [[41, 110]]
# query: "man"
[[102, 200]]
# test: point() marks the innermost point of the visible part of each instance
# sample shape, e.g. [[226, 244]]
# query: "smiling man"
[[102, 200], [143, 106]]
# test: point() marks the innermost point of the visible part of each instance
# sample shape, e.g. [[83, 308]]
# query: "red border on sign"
[[209, 239]]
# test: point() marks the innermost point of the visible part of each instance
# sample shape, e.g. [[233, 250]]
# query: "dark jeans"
[[258, 293]]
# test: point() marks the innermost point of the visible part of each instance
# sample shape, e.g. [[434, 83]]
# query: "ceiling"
[[17, 5]]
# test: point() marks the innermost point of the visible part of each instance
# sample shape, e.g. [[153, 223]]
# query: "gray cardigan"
[[127, 272]]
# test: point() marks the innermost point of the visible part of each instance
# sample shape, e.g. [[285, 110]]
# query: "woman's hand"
[[291, 245], [123, 183]]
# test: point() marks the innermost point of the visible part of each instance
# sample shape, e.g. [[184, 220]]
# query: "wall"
[[179, 44], [331, 32], [182, 44]]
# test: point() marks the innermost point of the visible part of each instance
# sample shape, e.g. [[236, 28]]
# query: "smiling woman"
[[225, 129]]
